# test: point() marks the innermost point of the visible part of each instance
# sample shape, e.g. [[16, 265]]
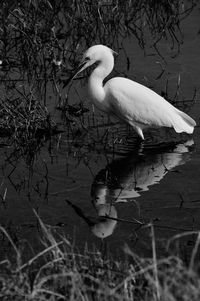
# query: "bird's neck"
[[96, 89]]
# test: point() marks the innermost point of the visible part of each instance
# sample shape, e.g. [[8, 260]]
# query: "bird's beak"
[[115, 53], [82, 66]]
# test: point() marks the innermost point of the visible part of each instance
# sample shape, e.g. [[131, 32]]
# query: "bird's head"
[[95, 54]]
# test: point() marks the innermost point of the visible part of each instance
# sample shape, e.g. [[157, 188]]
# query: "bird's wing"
[[137, 104]]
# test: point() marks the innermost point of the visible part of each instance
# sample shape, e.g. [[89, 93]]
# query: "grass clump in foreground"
[[60, 273]]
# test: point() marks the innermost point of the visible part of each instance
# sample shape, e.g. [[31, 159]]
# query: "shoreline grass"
[[59, 272]]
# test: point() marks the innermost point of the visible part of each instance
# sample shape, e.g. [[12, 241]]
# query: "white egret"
[[130, 101]]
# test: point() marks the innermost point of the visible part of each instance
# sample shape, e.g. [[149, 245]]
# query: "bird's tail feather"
[[184, 124]]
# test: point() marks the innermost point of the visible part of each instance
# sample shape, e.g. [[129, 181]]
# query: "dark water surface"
[[81, 175]]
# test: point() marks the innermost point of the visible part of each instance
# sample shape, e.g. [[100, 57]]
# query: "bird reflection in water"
[[125, 178]]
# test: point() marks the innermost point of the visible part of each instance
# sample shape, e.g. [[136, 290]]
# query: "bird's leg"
[[139, 145], [139, 132], [104, 248]]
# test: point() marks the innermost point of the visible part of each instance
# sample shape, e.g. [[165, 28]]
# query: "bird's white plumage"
[[142, 107], [131, 102]]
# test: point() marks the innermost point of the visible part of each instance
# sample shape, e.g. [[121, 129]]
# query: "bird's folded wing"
[[136, 103]]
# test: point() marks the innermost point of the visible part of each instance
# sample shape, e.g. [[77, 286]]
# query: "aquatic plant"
[[59, 272]]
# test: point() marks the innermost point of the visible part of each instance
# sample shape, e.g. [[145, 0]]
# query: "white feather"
[[140, 106], [131, 102]]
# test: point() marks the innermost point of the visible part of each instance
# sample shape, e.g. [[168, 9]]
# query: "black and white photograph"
[[99, 150]]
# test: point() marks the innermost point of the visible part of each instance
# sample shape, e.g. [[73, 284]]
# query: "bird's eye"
[[87, 58]]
